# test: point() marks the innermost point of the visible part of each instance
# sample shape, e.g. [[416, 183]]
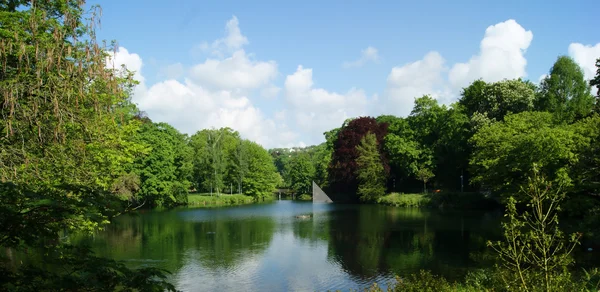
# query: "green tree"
[[565, 91], [504, 151], [535, 253], [425, 174], [166, 171], [66, 125], [261, 180], [498, 99], [301, 173], [370, 171]]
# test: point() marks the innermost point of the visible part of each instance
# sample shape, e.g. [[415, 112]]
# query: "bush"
[[405, 200], [305, 197], [439, 200], [205, 200]]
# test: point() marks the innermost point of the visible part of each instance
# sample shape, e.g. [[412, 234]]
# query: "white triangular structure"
[[319, 195]]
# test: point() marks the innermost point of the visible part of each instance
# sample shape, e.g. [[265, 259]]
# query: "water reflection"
[[265, 247]]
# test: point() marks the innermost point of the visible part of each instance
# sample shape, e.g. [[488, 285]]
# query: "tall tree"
[[498, 99], [370, 171], [240, 164], [166, 171], [343, 161], [565, 91], [504, 152], [301, 173], [261, 179], [64, 143]]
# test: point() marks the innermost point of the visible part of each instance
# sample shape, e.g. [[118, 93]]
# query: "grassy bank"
[[439, 200], [206, 200]]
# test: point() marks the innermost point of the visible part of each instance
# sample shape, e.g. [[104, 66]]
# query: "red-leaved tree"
[[342, 169]]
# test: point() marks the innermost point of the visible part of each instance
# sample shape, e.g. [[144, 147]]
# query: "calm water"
[[266, 248]]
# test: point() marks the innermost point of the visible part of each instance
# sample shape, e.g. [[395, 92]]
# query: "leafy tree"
[[261, 179], [165, 172], [535, 253], [565, 91], [403, 151], [498, 99], [504, 151], [424, 174], [301, 173], [342, 168], [66, 140], [370, 171], [321, 157]]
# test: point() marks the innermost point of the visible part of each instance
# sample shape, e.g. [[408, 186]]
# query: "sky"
[[281, 73]]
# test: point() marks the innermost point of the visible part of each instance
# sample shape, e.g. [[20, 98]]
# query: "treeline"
[[213, 161], [488, 141]]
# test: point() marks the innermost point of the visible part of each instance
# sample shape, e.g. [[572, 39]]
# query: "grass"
[[440, 200], [206, 200]]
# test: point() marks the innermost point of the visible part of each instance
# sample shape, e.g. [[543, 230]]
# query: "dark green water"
[[266, 248]]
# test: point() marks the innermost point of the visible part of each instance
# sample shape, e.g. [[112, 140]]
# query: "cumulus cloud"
[[370, 54], [317, 110], [501, 56], [585, 56], [413, 80], [235, 72], [233, 40], [216, 93]]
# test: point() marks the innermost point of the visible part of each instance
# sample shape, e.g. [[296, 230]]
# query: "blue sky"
[[236, 63]]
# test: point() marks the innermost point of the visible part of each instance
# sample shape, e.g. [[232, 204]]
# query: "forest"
[[75, 152]]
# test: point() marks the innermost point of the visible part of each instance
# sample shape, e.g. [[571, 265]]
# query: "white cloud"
[[413, 80], [216, 93], [317, 110], [233, 40], [501, 56], [585, 56], [370, 54], [235, 72]]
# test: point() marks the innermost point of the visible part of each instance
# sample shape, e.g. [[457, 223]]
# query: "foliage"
[[565, 92], [535, 253], [424, 174], [261, 178], [439, 200], [343, 166], [68, 140], [405, 200], [300, 173], [370, 171], [206, 200], [496, 100], [305, 197], [165, 173], [505, 151]]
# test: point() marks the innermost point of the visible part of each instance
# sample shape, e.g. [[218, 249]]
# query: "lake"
[[265, 247]]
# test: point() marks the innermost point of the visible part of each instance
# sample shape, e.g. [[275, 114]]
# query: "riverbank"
[[206, 200], [439, 200]]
